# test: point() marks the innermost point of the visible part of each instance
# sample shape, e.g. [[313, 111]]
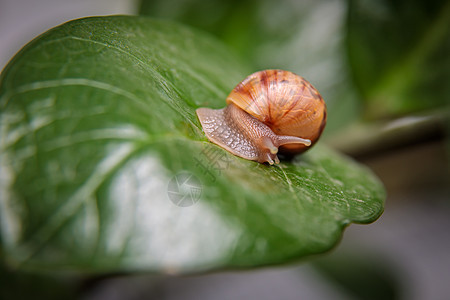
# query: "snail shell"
[[268, 111]]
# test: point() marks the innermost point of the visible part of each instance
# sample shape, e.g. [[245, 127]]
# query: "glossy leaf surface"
[[105, 167]]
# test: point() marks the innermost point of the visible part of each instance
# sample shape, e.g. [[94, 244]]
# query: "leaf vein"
[[72, 205]]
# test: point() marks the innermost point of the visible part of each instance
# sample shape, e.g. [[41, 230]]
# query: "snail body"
[[268, 112]]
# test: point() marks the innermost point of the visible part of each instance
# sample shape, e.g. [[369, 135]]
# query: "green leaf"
[[105, 167], [398, 51]]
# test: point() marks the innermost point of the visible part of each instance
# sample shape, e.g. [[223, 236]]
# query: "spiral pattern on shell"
[[285, 102]]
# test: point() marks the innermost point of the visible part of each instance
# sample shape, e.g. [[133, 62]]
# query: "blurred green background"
[[383, 68]]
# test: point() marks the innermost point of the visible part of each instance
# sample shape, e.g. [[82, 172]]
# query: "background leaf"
[[398, 51], [100, 141]]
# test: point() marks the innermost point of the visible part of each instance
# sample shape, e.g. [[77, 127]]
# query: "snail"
[[268, 111]]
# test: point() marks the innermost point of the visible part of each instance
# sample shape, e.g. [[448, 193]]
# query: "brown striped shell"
[[269, 110], [285, 102]]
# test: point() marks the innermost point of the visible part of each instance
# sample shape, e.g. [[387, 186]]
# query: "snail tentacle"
[[269, 159], [287, 139], [269, 144]]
